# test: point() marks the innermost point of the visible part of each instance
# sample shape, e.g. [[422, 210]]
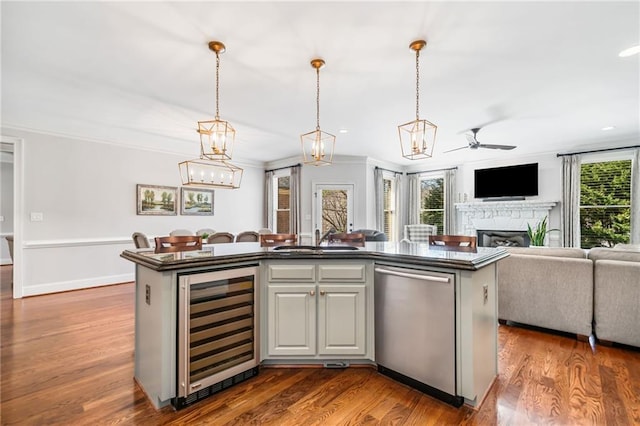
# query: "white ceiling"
[[544, 76]]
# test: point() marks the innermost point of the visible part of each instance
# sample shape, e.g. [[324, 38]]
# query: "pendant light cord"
[[317, 98], [217, 79], [417, 84]]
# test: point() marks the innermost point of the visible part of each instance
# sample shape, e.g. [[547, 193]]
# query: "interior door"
[[334, 207]]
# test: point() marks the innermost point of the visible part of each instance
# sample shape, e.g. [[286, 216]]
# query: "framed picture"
[[157, 200], [196, 201]]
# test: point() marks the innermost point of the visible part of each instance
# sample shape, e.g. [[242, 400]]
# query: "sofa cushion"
[[549, 251], [596, 254]]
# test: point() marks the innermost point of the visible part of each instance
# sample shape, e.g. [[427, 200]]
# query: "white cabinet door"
[[341, 319], [291, 320]]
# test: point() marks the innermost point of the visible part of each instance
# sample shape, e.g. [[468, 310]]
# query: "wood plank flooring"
[[67, 359]]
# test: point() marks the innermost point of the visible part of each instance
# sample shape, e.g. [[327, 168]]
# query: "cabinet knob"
[[322, 293], [312, 293]]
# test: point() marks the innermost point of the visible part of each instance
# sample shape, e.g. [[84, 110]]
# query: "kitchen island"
[[309, 306]]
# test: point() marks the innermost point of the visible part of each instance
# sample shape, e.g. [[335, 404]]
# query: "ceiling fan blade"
[[455, 149], [491, 146]]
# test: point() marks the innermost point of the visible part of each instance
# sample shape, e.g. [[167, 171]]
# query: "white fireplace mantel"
[[501, 215]]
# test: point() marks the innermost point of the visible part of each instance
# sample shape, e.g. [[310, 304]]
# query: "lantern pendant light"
[[217, 136], [318, 146], [417, 137]]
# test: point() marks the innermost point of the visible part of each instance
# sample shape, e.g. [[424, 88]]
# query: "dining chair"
[[265, 231], [352, 238], [458, 241], [178, 243], [248, 237], [271, 240], [178, 232], [221, 238], [207, 231], [140, 240], [419, 232]]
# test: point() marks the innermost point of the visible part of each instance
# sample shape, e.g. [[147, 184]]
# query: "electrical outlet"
[[147, 294], [37, 216], [485, 294], [1, 218]]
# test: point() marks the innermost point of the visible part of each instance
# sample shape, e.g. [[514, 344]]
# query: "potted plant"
[[538, 234]]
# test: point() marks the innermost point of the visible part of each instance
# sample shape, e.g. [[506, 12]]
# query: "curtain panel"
[[413, 199], [267, 217], [294, 200], [378, 187], [570, 209], [397, 231], [449, 202], [635, 197]]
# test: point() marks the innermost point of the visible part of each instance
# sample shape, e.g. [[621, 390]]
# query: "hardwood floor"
[[67, 359]]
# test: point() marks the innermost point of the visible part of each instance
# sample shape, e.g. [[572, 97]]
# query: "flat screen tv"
[[511, 181]]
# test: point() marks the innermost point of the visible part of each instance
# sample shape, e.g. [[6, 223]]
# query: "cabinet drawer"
[[291, 273], [333, 273]]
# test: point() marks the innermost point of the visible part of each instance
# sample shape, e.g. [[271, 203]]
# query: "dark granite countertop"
[[418, 254]]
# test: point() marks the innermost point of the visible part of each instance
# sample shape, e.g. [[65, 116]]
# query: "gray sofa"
[[547, 287], [617, 294]]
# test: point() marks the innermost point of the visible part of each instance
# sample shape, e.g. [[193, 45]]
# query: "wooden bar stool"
[[352, 238], [271, 240], [178, 243]]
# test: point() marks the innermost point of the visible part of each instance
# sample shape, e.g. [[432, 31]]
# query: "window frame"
[[274, 214], [440, 174], [604, 158], [390, 229]]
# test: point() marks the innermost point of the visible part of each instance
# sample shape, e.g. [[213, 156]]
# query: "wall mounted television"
[[516, 181]]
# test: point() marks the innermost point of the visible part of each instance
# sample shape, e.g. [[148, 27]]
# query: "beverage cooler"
[[218, 332]]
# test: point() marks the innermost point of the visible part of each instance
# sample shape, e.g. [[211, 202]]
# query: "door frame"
[[350, 187], [18, 207]]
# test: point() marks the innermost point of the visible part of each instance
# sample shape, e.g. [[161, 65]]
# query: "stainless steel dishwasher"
[[415, 329]]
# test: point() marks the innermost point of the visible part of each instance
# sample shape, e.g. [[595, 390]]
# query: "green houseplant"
[[538, 234]]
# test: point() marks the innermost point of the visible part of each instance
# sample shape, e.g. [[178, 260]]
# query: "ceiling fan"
[[474, 144]]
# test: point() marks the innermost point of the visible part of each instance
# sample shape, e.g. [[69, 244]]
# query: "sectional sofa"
[[573, 290]]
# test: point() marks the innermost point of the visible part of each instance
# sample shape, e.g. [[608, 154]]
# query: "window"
[[389, 207], [282, 204], [432, 200], [605, 203]]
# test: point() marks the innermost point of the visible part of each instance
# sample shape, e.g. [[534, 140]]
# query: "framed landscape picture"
[[157, 200], [196, 202]]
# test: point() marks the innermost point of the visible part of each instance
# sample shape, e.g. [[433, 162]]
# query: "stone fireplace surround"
[[501, 215]]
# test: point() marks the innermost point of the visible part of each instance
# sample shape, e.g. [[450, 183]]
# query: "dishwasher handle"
[[414, 276]]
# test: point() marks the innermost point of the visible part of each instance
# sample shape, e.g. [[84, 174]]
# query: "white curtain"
[[395, 233], [378, 188], [571, 200], [413, 200], [267, 218], [449, 202], [635, 197], [294, 200]]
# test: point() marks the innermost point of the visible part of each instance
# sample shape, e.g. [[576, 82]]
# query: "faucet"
[[324, 237]]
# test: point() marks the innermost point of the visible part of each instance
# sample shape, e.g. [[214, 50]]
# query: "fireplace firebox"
[[492, 238]]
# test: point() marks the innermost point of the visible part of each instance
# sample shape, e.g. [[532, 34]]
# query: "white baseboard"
[[6, 261], [56, 287]]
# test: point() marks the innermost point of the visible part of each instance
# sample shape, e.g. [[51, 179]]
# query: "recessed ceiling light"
[[607, 128], [343, 131], [630, 51]]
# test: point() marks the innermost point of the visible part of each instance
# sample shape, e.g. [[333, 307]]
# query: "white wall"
[[6, 205], [86, 192], [549, 182]]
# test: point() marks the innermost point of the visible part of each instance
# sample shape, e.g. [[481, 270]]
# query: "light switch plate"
[[1, 218], [37, 216]]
